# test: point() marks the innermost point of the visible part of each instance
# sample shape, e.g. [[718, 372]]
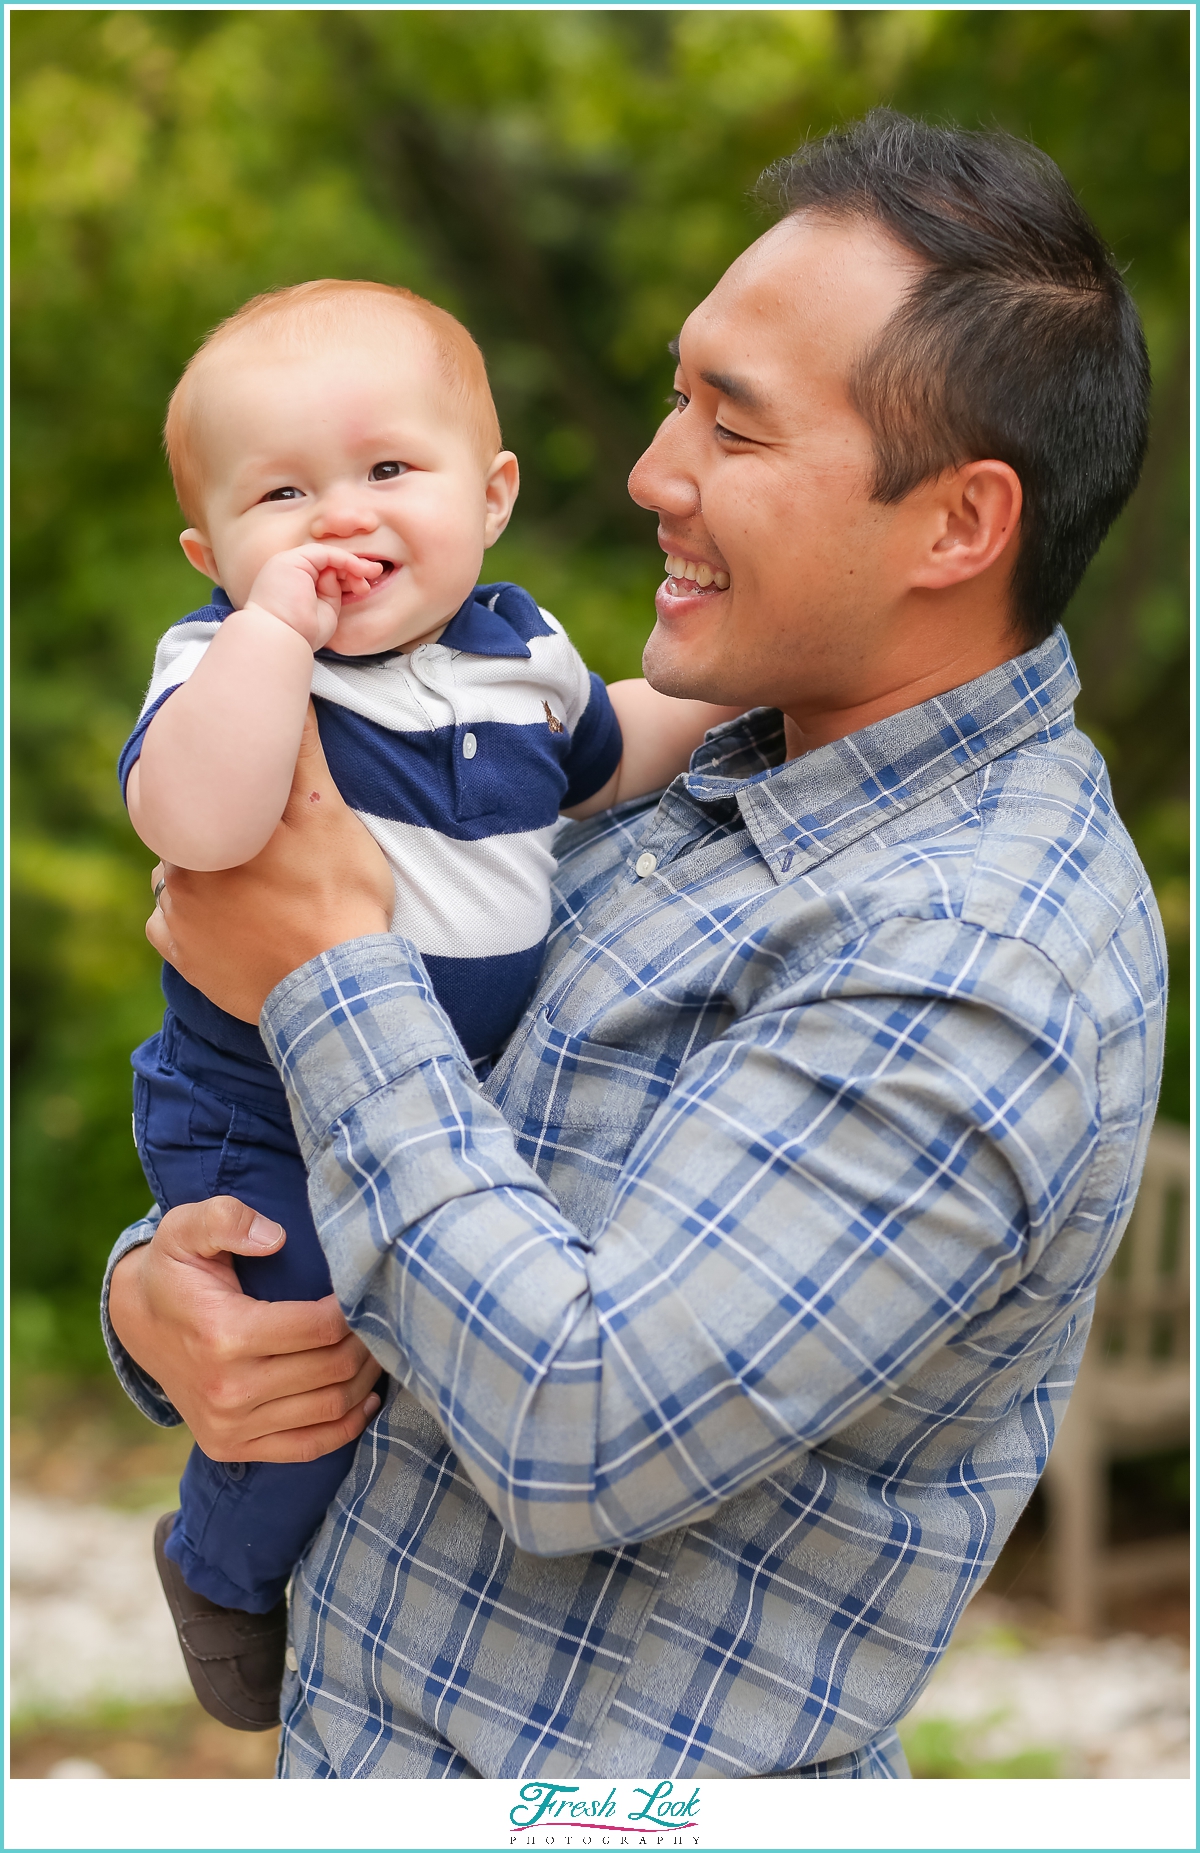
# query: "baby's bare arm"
[[216, 763], [660, 734]]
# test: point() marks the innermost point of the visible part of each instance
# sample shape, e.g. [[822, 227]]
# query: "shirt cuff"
[[350, 1022], [137, 1383]]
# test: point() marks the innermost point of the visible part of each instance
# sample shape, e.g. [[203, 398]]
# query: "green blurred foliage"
[[570, 183], [939, 1749]]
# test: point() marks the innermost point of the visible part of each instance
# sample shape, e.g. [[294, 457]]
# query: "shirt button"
[[646, 865], [470, 746], [290, 1660]]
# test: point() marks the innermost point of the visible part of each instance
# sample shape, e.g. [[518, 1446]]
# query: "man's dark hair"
[[1019, 341]]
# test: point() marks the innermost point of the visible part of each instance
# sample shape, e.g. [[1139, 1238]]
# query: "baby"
[[336, 447]]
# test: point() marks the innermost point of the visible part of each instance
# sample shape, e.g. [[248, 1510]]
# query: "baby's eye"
[[282, 495], [386, 472]]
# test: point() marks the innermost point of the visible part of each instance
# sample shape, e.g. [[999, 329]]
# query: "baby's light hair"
[[306, 314]]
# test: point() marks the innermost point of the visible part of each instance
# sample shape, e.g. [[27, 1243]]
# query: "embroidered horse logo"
[[552, 720]]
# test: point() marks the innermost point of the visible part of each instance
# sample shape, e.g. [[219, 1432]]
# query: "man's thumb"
[[312, 753], [313, 790], [221, 1225]]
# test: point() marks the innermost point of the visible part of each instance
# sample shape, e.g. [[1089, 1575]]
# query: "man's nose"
[[341, 513], [662, 478]]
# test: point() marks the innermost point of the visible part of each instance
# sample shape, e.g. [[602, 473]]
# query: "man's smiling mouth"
[[691, 576]]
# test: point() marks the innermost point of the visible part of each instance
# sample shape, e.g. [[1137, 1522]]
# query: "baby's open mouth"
[[692, 576], [389, 567]]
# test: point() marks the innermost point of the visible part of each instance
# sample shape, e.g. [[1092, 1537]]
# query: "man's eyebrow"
[[731, 388], [725, 383]]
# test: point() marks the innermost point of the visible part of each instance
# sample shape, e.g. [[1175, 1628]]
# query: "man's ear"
[[199, 553], [974, 514], [500, 491]]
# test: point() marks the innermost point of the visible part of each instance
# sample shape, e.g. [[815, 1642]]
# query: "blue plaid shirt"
[[732, 1318]]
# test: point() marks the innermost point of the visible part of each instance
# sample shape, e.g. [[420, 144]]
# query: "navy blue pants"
[[210, 1123]]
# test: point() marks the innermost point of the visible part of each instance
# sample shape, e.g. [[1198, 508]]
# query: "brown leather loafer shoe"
[[234, 1660]]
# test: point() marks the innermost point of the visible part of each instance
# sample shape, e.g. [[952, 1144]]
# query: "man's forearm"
[[660, 734], [734, 1309]]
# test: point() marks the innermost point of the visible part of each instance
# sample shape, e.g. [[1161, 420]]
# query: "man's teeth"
[[679, 568]]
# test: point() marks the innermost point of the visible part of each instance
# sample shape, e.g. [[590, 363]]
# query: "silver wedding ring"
[[158, 888]]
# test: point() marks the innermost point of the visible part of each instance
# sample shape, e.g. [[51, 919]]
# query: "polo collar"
[[496, 620], [805, 810]]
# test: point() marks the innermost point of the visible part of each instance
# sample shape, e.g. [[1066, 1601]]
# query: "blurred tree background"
[[570, 184]]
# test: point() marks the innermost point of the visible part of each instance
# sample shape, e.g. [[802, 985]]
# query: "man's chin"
[[666, 667], [672, 669]]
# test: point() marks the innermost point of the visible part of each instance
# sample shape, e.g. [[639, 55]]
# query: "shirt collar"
[[805, 810], [497, 620]]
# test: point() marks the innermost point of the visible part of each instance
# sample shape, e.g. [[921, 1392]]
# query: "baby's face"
[[361, 447]]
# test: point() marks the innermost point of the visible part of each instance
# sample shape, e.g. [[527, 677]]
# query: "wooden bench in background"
[[1132, 1396]]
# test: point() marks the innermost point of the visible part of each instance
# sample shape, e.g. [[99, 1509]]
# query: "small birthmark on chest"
[[552, 720]]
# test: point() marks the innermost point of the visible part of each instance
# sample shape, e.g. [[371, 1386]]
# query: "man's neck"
[[809, 725]]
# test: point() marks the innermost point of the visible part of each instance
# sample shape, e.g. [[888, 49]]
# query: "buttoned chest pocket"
[[515, 774], [587, 1105]]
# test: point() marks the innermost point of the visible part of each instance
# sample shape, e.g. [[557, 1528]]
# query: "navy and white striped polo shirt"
[[458, 756]]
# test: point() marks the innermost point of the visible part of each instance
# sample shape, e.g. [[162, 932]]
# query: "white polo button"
[[646, 865], [470, 746], [290, 1660]]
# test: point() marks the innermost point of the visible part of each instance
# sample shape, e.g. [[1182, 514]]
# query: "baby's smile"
[[389, 567]]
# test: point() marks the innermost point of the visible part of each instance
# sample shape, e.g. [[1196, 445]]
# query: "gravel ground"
[[1107, 1708], [88, 1626], [88, 1623]]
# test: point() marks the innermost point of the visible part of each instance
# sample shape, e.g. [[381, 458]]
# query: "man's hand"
[[322, 879], [254, 1381], [304, 587]]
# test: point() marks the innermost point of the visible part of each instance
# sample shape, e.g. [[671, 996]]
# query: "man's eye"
[[282, 495], [386, 472], [679, 400]]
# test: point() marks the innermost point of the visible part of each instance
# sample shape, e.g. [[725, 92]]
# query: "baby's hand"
[[304, 588]]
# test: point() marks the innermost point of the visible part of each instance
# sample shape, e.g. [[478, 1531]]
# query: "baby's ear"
[[199, 553], [500, 492]]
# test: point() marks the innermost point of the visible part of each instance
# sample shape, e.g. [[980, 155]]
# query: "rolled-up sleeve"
[[137, 1383], [822, 1196]]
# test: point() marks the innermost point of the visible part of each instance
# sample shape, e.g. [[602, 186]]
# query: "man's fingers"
[[281, 1329], [312, 776], [156, 926], [219, 1225], [308, 1444], [311, 749], [309, 1407], [159, 935]]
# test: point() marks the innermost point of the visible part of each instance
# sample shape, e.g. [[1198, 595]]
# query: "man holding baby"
[[729, 1321]]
